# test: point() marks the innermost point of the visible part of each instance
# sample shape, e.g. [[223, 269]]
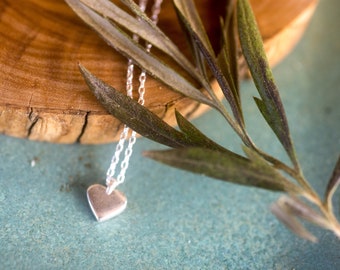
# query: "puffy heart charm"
[[105, 206]]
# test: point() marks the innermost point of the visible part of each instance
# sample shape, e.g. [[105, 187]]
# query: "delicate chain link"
[[111, 182], [156, 9], [115, 159]]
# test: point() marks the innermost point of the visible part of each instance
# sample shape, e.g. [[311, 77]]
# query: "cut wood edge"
[[74, 126]]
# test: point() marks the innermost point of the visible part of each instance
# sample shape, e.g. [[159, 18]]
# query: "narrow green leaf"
[[196, 136], [201, 75], [198, 38], [213, 65], [333, 183], [227, 58], [270, 106], [230, 42], [303, 211], [267, 168], [163, 38], [268, 111], [226, 166], [130, 49], [196, 53], [133, 114], [290, 221], [188, 14], [145, 28]]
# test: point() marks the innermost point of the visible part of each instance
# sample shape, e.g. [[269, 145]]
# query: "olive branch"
[[190, 149]]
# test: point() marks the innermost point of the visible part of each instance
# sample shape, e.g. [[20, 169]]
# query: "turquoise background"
[[175, 219]]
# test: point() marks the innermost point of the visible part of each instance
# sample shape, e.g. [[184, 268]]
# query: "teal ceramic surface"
[[175, 219]]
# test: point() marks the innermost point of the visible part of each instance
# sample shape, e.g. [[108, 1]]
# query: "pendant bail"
[[111, 184]]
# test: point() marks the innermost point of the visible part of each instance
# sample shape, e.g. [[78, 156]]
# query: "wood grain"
[[42, 94]]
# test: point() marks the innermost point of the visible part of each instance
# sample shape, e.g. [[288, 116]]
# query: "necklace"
[[105, 201]]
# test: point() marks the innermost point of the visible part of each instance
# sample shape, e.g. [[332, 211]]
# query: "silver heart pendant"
[[105, 206]]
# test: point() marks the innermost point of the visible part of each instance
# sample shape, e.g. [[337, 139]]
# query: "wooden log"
[[43, 96]]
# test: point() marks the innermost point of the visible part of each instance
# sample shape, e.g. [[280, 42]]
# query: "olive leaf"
[[142, 16], [227, 57], [287, 217], [333, 183], [188, 14], [196, 54], [145, 28], [135, 115], [126, 46], [195, 135], [266, 167], [145, 122], [270, 103], [226, 166], [303, 211]]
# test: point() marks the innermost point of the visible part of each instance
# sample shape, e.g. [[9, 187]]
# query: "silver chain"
[[111, 181]]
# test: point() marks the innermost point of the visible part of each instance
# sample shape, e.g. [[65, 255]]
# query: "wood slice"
[[42, 94]]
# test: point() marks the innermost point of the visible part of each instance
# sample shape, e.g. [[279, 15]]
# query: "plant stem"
[[242, 133], [334, 224], [304, 183], [222, 109]]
